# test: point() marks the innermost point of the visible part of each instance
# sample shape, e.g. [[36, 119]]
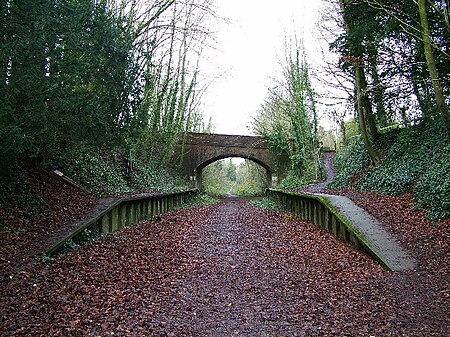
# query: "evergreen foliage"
[[100, 90], [432, 190], [394, 56], [349, 161], [417, 158], [64, 74], [107, 172]]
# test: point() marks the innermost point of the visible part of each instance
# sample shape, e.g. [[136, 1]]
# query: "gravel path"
[[327, 160], [240, 286]]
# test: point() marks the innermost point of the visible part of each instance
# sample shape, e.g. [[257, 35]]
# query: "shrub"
[[99, 172], [103, 173], [417, 158], [293, 180], [150, 177], [349, 161], [413, 154], [432, 191]]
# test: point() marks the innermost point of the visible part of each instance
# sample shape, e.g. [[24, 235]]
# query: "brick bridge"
[[197, 150]]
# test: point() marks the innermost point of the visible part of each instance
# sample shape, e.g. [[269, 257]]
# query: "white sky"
[[250, 47]]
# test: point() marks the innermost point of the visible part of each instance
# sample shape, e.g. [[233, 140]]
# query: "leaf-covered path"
[[255, 274], [224, 270]]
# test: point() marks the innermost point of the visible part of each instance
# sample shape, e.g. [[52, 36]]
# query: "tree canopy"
[[397, 56], [101, 74]]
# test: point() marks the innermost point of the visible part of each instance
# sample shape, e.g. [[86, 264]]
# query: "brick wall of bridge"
[[197, 150]]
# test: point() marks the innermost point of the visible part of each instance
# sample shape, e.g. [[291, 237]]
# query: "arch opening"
[[221, 175]]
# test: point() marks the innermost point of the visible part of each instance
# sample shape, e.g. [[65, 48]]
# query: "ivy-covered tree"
[[383, 47], [168, 44], [288, 121], [99, 74]]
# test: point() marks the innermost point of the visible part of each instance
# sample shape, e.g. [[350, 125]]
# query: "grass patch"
[[200, 199], [267, 203]]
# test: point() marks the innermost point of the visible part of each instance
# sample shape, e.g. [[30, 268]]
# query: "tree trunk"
[[360, 84], [343, 132], [363, 104], [438, 94], [369, 115], [421, 91], [378, 95]]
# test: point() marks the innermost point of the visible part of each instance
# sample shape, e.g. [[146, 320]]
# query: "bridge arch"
[[197, 150], [233, 155], [199, 169]]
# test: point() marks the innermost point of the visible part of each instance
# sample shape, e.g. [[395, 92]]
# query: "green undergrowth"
[[200, 199], [347, 162], [432, 191], [248, 189], [418, 160], [216, 188], [267, 203], [98, 172], [293, 180], [105, 172]]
